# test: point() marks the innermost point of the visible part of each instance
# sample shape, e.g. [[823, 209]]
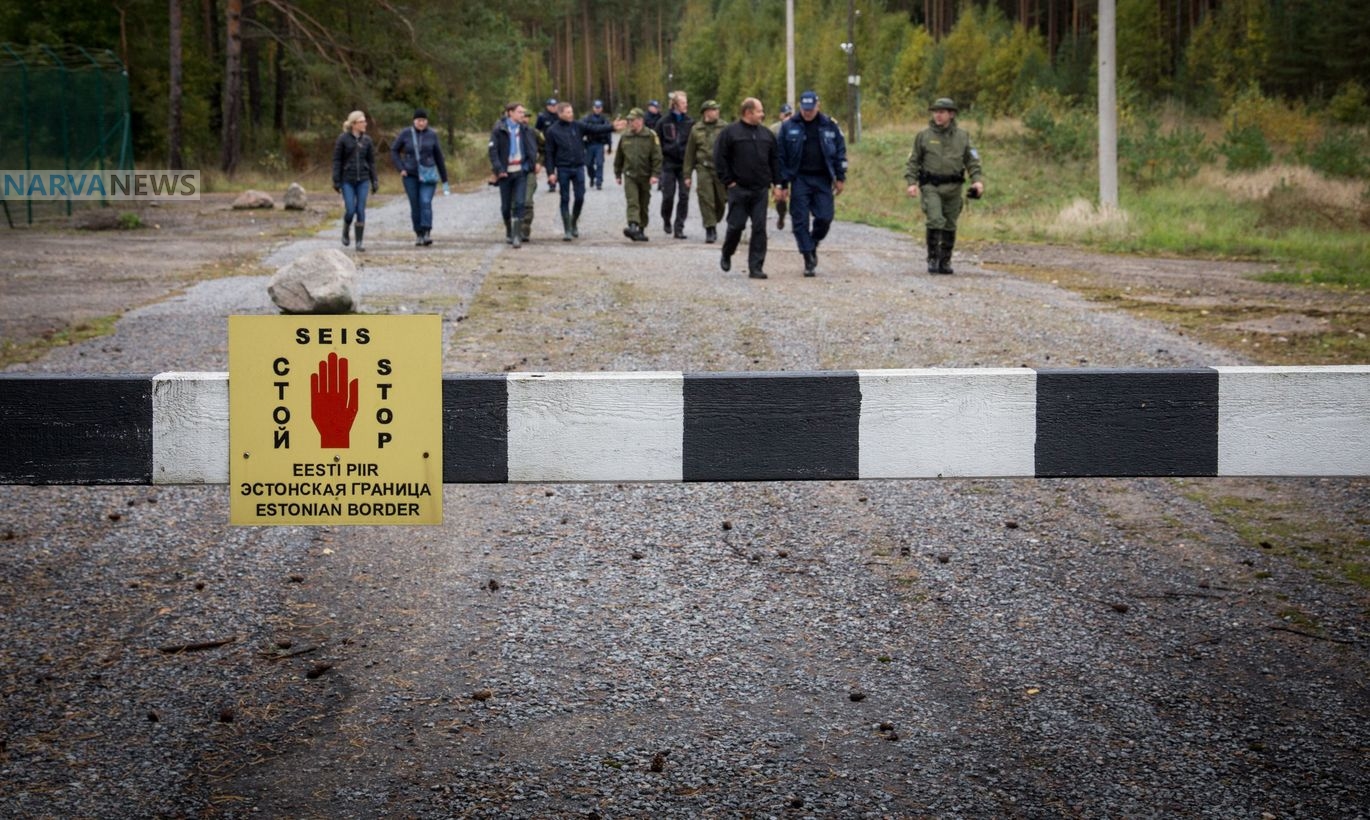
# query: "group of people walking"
[[736, 170]]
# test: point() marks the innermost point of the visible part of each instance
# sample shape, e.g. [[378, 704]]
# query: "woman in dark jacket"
[[354, 172], [417, 153]]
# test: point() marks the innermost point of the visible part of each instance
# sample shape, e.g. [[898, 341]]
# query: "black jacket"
[[544, 120], [406, 156], [354, 159], [596, 138], [673, 136], [566, 142], [746, 155], [499, 147]]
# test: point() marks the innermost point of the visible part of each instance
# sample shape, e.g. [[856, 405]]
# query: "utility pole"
[[853, 79], [789, 54], [1108, 105]]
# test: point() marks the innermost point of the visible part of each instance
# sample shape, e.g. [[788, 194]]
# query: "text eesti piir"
[[328, 336]]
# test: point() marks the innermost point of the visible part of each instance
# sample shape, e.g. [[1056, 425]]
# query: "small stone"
[[318, 669], [251, 200], [1012, 525], [944, 558], [226, 715], [295, 197], [482, 695], [638, 556], [727, 525], [857, 696], [887, 726], [658, 762], [1119, 607], [492, 585]]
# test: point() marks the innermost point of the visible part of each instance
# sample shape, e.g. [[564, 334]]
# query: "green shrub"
[[1340, 154], [1246, 149], [128, 221], [1148, 156], [1350, 105], [1060, 130]]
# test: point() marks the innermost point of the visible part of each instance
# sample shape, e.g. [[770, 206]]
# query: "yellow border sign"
[[335, 419]]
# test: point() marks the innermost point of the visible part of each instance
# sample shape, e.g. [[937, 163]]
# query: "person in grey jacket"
[[417, 154], [354, 172]]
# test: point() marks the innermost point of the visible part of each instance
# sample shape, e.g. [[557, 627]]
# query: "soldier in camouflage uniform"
[[941, 158], [639, 159], [699, 156]]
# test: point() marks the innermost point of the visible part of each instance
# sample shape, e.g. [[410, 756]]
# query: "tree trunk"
[[282, 81], [209, 11], [252, 51], [233, 87], [173, 129], [589, 54]]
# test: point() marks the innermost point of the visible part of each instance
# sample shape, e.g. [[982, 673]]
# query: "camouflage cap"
[[636, 114], [942, 104], [709, 104]]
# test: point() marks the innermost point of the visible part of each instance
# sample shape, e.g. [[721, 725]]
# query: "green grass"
[[1293, 223]]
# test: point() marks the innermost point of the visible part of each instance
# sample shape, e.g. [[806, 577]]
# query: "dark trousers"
[[420, 202], [567, 177], [511, 191], [745, 204], [810, 196], [675, 193], [595, 152]]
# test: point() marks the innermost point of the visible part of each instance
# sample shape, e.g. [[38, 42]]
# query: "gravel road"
[[968, 648]]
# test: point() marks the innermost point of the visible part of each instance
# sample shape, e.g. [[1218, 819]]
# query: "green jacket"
[[699, 150], [943, 152], [639, 155]]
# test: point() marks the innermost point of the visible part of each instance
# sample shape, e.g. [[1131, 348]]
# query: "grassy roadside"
[[1314, 231]]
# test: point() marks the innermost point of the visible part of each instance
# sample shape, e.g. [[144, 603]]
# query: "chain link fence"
[[62, 108]]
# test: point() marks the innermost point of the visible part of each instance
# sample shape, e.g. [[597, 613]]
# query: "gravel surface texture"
[[829, 649]]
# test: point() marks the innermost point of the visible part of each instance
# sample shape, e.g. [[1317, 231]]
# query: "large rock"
[[250, 199], [319, 282], [295, 197]]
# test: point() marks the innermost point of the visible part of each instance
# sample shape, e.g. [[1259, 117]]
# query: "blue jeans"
[[511, 193], [810, 196], [354, 201], [567, 177], [595, 152], [420, 203]]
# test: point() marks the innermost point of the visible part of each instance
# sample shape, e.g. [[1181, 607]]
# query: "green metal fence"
[[62, 108]]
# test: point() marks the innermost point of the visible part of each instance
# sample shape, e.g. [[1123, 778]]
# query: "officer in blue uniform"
[[813, 166]]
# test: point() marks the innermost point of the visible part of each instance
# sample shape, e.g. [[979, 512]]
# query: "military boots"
[[944, 252], [934, 255]]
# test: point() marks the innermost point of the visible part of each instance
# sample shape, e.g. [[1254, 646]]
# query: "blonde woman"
[[354, 171]]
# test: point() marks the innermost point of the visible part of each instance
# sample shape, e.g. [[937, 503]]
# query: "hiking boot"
[[361, 229]]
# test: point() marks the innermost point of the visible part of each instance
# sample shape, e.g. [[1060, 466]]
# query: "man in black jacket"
[[596, 146], [674, 132], [513, 156], [566, 161], [746, 161]]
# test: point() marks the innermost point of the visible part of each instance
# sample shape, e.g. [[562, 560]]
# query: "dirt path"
[[935, 648]]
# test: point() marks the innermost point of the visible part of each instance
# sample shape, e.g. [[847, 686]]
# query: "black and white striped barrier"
[[670, 426]]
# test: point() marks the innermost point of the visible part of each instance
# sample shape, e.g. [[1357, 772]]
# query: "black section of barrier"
[[76, 430], [771, 427], [475, 429], [1127, 422]]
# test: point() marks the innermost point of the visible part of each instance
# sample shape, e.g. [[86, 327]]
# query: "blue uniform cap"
[[599, 103], [786, 109], [654, 102], [808, 101], [552, 101]]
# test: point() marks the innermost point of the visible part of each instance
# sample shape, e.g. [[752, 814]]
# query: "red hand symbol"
[[333, 402]]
